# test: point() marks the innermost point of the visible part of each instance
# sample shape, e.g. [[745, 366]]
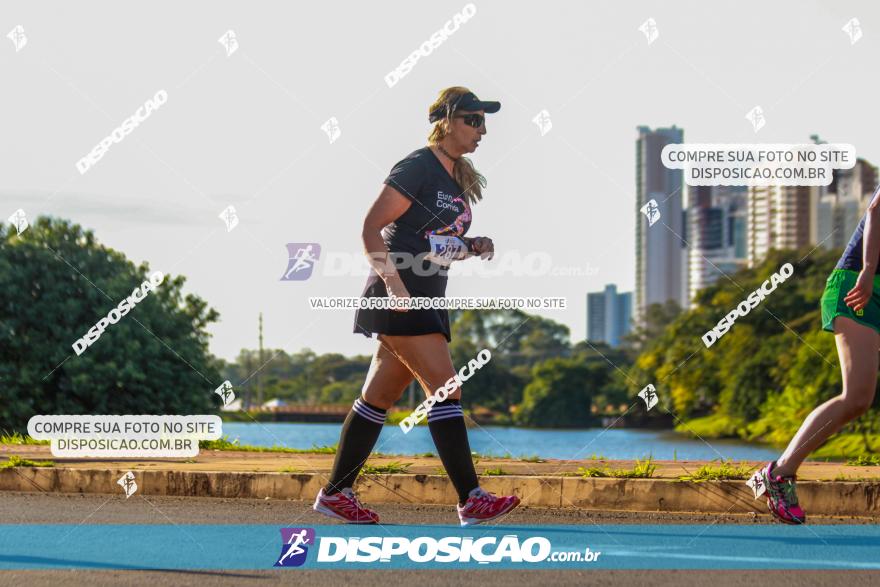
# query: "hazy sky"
[[245, 129]]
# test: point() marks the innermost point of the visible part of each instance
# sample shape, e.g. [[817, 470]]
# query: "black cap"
[[468, 102]]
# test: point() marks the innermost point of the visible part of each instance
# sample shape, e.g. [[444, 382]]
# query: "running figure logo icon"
[[303, 257], [853, 29], [19, 221], [331, 127], [225, 392], [651, 211], [229, 41], [18, 38], [128, 484], [756, 117], [757, 484], [229, 216], [542, 119], [295, 546], [650, 30], [649, 394]]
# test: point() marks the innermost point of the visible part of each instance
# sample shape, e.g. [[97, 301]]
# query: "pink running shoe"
[[345, 506], [782, 497], [482, 506]]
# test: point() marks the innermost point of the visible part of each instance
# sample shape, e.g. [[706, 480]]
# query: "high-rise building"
[[780, 217], [717, 230], [661, 253], [609, 315], [843, 203]]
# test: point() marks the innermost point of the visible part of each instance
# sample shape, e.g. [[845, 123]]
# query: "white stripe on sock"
[[367, 415], [445, 409], [365, 406], [445, 416]]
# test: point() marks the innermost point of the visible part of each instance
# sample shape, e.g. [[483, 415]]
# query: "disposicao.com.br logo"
[[407, 551]]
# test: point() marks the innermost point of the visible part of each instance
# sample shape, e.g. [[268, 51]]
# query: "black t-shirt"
[[852, 255], [438, 205]]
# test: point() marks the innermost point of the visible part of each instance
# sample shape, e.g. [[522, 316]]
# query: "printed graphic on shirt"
[[438, 215], [462, 221], [446, 246]]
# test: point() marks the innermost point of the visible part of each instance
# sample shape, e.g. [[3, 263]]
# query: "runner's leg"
[[857, 348], [427, 357], [385, 383]]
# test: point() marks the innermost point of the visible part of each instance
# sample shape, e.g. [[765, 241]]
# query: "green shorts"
[[836, 287]]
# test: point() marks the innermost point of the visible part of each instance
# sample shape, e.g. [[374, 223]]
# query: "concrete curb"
[[648, 495]]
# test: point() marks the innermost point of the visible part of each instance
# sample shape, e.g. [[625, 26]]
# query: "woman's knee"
[[857, 403], [382, 397], [443, 388]]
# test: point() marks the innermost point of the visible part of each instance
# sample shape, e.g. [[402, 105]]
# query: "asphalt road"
[[36, 508]]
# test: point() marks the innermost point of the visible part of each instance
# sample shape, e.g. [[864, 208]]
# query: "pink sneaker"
[[482, 506], [782, 497], [344, 506]]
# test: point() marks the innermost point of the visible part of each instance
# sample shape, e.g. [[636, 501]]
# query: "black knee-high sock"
[[446, 422], [359, 434]]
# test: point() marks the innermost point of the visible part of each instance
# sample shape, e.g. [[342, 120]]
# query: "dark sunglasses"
[[474, 120]]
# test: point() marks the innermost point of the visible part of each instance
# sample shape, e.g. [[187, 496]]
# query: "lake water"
[[614, 443]]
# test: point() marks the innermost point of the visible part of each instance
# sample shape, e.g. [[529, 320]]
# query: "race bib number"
[[446, 249]]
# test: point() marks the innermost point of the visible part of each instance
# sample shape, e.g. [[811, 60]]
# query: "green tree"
[[771, 368], [560, 394], [812, 378], [517, 341], [340, 392], [657, 317], [512, 334], [598, 356], [56, 282]]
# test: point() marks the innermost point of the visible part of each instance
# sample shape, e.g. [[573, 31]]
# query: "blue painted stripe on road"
[[687, 546]]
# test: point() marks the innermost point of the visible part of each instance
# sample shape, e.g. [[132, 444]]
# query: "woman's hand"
[[857, 298], [396, 289], [484, 247]]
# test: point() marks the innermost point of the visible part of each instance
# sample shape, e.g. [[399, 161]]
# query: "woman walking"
[[413, 230], [851, 310]]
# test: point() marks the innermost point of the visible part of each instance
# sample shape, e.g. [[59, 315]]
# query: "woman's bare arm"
[[871, 245], [388, 207], [859, 296]]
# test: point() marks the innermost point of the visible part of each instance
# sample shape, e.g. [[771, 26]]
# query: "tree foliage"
[[56, 282], [764, 376]]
